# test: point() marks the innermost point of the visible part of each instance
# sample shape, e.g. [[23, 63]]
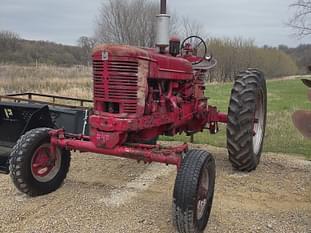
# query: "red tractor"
[[140, 94]]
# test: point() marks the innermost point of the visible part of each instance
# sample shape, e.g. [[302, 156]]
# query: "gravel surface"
[[106, 194]]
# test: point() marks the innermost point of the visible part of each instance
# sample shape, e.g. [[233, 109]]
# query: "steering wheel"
[[194, 45]]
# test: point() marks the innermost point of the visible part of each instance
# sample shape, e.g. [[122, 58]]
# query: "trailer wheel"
[[193, 192], [247, 120], [33, 169]]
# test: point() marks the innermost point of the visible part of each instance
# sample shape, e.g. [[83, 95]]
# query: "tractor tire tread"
[[20, 166], [240, 115], [185, 190]]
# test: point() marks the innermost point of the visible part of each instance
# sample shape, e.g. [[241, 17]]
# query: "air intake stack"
[[163, 21]]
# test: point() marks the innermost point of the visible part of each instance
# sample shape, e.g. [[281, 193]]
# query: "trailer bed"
[[22, 112]]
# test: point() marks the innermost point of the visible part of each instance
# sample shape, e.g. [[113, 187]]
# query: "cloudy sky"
[[64, 21]]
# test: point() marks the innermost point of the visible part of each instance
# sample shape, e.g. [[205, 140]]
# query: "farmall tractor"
[[139, 94]]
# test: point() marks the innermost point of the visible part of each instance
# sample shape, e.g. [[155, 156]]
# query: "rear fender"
[[40, 118], [15, 120]]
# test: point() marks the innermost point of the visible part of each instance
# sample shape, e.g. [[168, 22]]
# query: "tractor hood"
[[162, 66], [122, 51]]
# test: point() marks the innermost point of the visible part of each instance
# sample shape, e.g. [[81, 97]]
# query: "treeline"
[[14, 50], [301, 54], [235, 55]]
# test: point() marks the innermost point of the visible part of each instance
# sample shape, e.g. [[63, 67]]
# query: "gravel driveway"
[[106, 194]]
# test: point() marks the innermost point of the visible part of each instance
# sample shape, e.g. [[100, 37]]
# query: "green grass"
[[284, 97]]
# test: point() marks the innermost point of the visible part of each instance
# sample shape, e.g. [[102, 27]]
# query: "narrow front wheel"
[[194, 192]]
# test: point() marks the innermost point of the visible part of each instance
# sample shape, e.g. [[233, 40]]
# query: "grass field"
[[73, 82], [284, 97]]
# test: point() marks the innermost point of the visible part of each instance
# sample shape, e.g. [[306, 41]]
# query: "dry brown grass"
[[72, 82]]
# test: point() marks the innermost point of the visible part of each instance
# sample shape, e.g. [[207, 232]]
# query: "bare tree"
[[133, 22], [301, 20], [86, 44], [127, 22], [188, 27]]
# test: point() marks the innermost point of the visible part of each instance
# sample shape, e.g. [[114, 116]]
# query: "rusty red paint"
[[138, 95], [140, 152], [42, 162]]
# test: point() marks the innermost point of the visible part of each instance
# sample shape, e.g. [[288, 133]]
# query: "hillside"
[[14, 50], [233, 55]]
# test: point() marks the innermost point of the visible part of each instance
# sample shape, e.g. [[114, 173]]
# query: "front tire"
[[194, 192], [33, 169], [247, 120]]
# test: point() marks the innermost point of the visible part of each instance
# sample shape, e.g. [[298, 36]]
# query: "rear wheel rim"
[[44, 165], [202, 195], [258, 127]]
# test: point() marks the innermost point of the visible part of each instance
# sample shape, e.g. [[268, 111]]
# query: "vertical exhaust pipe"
[[163, 7], [163, 22]]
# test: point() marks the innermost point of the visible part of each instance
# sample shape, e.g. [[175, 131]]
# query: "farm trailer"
[[22, 112]]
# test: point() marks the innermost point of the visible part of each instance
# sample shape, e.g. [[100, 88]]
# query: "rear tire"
[[194, 192], [247, 120], [33, 169]]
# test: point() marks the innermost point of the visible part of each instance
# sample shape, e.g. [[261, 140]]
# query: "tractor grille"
[[116, 82], [98, 79]]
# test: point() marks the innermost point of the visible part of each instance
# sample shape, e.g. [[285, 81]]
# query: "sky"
[[64, 21]]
